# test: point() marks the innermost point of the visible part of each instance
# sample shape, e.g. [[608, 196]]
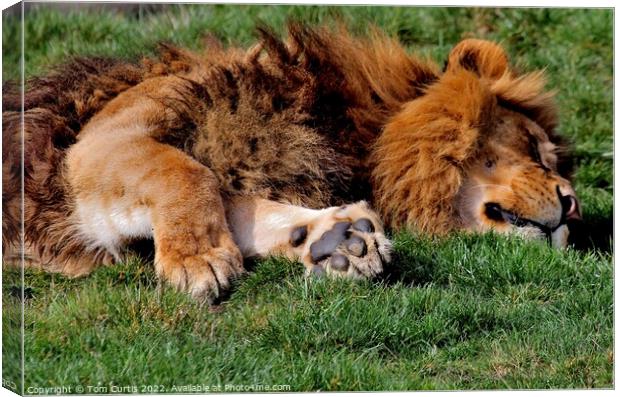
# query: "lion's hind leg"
[[340, 241]]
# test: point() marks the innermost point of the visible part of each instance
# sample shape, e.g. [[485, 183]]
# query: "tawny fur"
[[320, 119]]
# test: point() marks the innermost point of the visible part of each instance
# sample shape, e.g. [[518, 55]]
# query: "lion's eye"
[[489, 163], [534, 153]]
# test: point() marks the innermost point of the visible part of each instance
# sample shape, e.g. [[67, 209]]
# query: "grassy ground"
[[460, 313]]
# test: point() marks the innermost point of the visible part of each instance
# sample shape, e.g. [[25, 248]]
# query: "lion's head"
[[478, 152]]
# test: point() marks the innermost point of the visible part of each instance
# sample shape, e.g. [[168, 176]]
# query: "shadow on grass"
[[595, 233], [411, 268]]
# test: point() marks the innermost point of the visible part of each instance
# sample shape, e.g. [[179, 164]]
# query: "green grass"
[[466, 312]]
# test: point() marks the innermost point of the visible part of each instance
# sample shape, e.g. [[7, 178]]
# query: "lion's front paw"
[[349, 241], [205, 275]]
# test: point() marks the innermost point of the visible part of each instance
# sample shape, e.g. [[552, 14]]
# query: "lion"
[[286, 148]]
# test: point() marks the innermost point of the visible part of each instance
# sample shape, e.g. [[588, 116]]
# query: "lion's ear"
[[485, 58]]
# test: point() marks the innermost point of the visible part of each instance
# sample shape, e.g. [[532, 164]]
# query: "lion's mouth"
[[495, 212]]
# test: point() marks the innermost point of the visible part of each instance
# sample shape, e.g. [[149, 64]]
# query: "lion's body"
[[301, 122]]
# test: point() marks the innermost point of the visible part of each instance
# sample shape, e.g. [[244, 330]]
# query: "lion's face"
[[477, 152], [513, 184]]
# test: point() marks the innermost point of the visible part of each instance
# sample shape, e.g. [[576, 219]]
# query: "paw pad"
[[356, 246], [351, 249], [298, 235], [318, 270], [339, 262], [329, 241], [364, 225]]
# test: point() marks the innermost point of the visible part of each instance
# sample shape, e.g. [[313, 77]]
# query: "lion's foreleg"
[[347, 240], [129, 186]]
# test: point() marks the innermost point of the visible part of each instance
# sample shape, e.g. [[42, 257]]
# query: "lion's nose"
[[570, 207], [570, 204]]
